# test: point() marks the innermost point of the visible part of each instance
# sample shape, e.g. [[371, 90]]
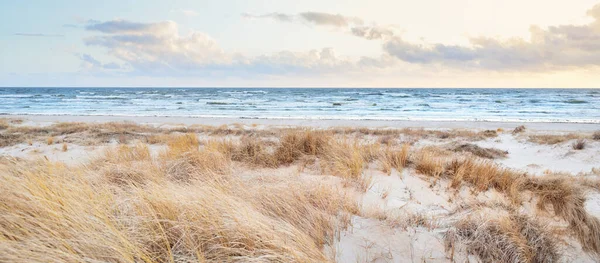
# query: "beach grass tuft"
[[579, 144]]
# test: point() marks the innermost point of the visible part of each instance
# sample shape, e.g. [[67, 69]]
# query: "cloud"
[[158, 48], [90, 63], [314, 18], [353, 25], [38, 35], [372, 32], [91, 60], [125, 26], [275, 16], [186, 12], [326, 19], [556, 47], [111, 65]]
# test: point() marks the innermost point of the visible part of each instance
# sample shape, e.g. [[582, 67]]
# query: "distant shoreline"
[[318, 123]]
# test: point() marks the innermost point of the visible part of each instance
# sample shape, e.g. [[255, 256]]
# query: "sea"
[[440, 104]]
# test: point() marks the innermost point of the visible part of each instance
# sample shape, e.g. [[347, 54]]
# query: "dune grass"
[[560, 195], [579, 144], [552, 139], [130, 206], [498, 235], [4, 124], [186, 203], [488, 153], [393, 158]]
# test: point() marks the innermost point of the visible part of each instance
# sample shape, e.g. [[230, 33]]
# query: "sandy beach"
[[325, 123], [350, 191], [300, 131]]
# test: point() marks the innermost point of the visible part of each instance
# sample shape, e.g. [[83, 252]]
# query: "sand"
[[537, 126], [377, 238]]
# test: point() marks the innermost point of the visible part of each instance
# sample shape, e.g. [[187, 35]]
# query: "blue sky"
[[431, 43]]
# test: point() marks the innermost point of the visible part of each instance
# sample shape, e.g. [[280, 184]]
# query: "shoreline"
[[315, 123]]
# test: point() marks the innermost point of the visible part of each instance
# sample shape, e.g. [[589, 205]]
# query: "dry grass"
[[4, 124], [428, 163], [579, 144], [502, 236], [561, 195], [10, 139], [187, 204], [50, 140], [552, 139], [128, 206], [254, 152], [65, 147], [596, 136], [392, 158], [488, 153], [345, 159], [519, 129], [416, 133], [566, 199], [294, 144], [484, 175]]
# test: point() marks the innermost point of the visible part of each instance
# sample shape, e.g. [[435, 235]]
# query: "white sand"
[[536, 158], [539, 126]]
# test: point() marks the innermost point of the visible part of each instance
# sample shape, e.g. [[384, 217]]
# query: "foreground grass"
[[185, 203], [128, 206]]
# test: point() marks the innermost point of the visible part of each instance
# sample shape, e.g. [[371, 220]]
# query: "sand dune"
[[122, 192]]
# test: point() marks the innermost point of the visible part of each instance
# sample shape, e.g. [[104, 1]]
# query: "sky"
[[309, 43]]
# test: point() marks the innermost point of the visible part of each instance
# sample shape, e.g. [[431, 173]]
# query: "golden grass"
[[345, 159], [65, 147], [4, 124], [182, 143], [427, 163], [392, 158], [596, 136], [253, 151], [127, 206], [484, 175], [294, 144], [185, 204]]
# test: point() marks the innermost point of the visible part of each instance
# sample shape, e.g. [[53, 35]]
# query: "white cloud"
[[185, 12], [275, 16], [556, 47], [353, 25], [158, 48], [315, 18], [326, 19]]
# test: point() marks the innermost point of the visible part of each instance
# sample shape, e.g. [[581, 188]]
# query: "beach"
[[300, 131], [346, 190]]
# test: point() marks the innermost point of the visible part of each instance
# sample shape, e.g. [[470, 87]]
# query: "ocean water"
[[524, 105]]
